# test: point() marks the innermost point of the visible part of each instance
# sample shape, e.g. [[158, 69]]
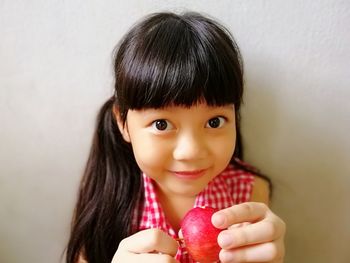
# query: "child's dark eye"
[[216, 122], [161, 125]]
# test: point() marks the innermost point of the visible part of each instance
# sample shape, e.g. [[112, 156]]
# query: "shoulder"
[[261, 190], [81, 258], [249, 175]]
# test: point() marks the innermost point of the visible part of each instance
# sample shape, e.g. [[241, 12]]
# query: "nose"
[[190, 146]]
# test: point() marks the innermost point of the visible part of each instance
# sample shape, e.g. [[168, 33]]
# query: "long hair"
[[165, 59]]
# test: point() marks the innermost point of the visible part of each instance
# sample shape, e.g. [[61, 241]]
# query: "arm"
[[261, 191]]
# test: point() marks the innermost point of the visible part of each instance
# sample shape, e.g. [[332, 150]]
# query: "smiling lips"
[[189, 174]]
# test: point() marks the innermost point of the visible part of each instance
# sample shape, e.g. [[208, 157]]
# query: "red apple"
[[200, 235]]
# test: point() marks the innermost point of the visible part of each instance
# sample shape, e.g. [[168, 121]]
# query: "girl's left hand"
[[253, 234]]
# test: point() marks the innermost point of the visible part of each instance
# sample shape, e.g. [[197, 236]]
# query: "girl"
[[169, 140]]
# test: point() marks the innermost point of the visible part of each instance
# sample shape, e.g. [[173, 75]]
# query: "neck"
[[175, 207]]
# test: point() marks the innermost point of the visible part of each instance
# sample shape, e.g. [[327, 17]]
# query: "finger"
[[266, 252], [240, 225], [129, 257], [245, 212], [264, 231], [150, 240], [154, 258]]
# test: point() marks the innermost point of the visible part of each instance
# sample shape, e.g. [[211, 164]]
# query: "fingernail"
[[218, 220], [180, 234], [225, 240]]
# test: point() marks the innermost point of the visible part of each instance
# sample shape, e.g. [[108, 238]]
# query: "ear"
[[123, 128]]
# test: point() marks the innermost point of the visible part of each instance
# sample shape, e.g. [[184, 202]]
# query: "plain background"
[[56, 71]]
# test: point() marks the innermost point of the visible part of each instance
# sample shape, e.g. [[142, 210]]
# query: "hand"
[[253, 234], [151, 245]]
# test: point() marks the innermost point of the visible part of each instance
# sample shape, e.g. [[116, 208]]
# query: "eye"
[[216, 122], [161, 125]]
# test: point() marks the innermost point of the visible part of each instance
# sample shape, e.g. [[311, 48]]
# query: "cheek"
[[224, 149], [149, 154]]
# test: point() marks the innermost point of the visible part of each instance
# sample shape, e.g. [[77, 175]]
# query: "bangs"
[[178, 60]]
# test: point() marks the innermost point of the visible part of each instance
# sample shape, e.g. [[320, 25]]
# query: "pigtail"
[[109, 191]]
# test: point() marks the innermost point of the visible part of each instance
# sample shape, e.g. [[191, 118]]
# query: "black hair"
[[165, 59]]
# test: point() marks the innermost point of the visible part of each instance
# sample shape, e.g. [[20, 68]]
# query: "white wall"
[[55, 71]]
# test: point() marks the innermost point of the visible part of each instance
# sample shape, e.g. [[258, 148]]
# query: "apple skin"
[[200, 235]]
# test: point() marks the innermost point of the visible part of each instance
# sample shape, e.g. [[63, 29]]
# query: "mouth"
[[189, 174]]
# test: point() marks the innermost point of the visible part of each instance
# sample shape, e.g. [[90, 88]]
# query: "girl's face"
[[181, 148]]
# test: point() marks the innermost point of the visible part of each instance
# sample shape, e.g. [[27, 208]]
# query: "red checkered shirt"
[[230, 187]]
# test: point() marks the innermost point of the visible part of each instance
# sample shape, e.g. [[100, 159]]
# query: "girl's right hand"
[[150, 245]]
